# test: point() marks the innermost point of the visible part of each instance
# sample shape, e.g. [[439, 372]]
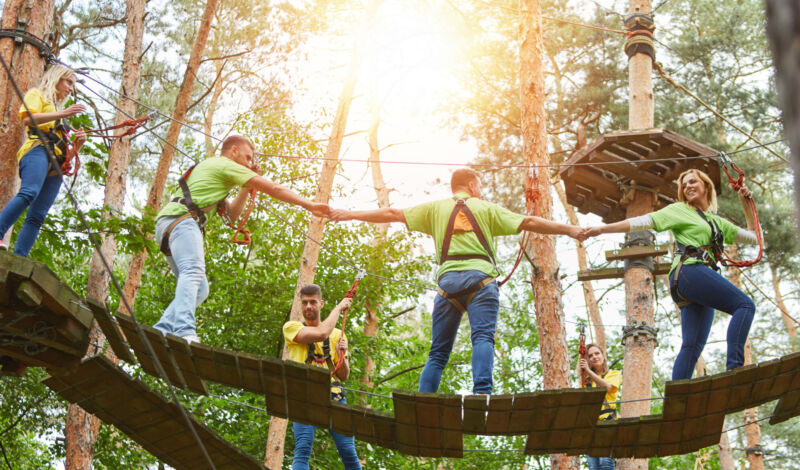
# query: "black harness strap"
[[324, 358], [461, 206], [706, 254], [53, 139]]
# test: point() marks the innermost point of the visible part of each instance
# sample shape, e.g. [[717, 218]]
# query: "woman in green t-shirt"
[[697, 285]]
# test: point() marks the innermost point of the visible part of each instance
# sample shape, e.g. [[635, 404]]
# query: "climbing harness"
[[714, 251], [585, 381], [361, 274], [57, 141]]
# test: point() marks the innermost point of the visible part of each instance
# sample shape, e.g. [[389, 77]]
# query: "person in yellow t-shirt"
[[318, 344], [40, 182], [595, 366]]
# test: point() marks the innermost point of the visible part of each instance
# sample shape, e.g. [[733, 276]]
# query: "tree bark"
[[308, 261], [27, 66], [783, 31], [541, 248], [752, 431], [133, 281], [589, 298], [81, 427], [791, 327]]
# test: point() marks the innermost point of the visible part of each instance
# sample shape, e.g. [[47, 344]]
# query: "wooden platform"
[[599, 188], [43, 323], [106, 391]]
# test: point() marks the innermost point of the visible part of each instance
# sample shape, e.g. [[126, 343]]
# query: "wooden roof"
[[598, 188]]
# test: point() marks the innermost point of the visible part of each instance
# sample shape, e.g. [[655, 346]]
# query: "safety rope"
[[349, 295], [582, 353], [239, 228], [132, 126], [532, 207], [736, 185]]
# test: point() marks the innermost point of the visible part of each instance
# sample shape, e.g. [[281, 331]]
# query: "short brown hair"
[[311, 289], [235, 140], [462, 177]]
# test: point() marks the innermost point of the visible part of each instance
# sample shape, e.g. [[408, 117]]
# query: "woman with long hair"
[[40, 182], [695, 282], [597, 374]]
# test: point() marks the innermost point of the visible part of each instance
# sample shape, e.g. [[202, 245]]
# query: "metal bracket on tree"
[[640, 329]]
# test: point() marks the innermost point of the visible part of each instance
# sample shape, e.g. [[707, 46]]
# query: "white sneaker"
[[191, 338], [3, 246]]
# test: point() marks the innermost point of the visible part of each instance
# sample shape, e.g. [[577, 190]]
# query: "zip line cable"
[[83, 71], [97, 246]]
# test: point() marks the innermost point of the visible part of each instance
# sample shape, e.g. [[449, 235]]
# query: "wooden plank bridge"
[[45, 324]]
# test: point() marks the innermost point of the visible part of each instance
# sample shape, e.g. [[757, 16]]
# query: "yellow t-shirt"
[[298, 352], [36, 102], [615, 379]]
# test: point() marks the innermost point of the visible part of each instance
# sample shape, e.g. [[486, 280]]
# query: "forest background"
[[438, 82]]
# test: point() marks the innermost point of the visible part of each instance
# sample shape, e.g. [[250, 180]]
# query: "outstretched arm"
[[536, 224], [376, 216], [623, 226], [282, 193], [315, 334]]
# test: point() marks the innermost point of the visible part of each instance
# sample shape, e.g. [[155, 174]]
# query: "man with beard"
[[310, 342]]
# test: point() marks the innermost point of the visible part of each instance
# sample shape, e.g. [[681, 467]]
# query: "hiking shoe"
[[191, 338]]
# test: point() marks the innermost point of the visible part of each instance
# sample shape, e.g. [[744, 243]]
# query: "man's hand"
[[576, 232], [341, 215], [342, 345], [345, 303], [319, 209], [590, 232]]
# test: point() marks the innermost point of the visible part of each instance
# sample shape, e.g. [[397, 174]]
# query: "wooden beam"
[[615, 273], [636, 252]]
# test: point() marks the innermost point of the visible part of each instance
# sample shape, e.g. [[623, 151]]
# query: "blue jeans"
[[600, 463], [189, 266], [708, 290], [304, 440], [482, 311], [37, 193]]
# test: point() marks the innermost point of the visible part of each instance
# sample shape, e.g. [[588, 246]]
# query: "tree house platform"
[[615, 162]]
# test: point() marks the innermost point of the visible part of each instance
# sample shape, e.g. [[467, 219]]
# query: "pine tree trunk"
[[133, 281], [308, 262], [791, 327], [541, 248], [753, 430], [81, 427], [783, 31], [589, 297], [26, 66]]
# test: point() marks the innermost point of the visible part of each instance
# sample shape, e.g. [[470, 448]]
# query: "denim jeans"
[[189, 266], [482, 311], [600, 463], [304, 441], [37, 193], [708, 290]]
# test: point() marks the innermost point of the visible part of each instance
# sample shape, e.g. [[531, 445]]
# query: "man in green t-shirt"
[[180, 235], [464, 228]]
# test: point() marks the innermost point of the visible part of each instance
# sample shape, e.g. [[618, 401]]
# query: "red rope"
[[582, 354], [736, 185], [131, 124], [242, 221], [532, 203], [349, 295]]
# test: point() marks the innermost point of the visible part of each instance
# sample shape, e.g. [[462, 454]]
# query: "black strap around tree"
[[461, 206]]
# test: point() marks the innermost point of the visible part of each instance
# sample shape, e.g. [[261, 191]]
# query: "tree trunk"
[[133, 281], [783, 31], [81, 427], [208, 122], [541, 248], [589, 297], [791, 327], [27, 66], [752, 431], [308, 261], [639, 288]]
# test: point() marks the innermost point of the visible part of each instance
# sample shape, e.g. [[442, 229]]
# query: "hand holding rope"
[[132, 126], [737, 184], [239, 228], [582, 354], [349, 295]]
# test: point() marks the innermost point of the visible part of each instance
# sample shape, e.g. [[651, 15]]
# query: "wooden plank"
[[182, 357], [741, 387], [110, 330], [719, 395], [250, 368], [342, 418], [29, 293], [272, 377], [636, 252], [499, 414], [475, 414], [226, 367], [616, 273]]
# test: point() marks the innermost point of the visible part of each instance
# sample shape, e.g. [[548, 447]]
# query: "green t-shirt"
[[494, 221], [689, 228], [210, 181]]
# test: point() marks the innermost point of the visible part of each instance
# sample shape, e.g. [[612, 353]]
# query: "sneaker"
[[191, 338], [3, 246]]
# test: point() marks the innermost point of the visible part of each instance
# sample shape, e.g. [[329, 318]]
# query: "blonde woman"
[[696, 284], [40, 182], [595, 366]]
